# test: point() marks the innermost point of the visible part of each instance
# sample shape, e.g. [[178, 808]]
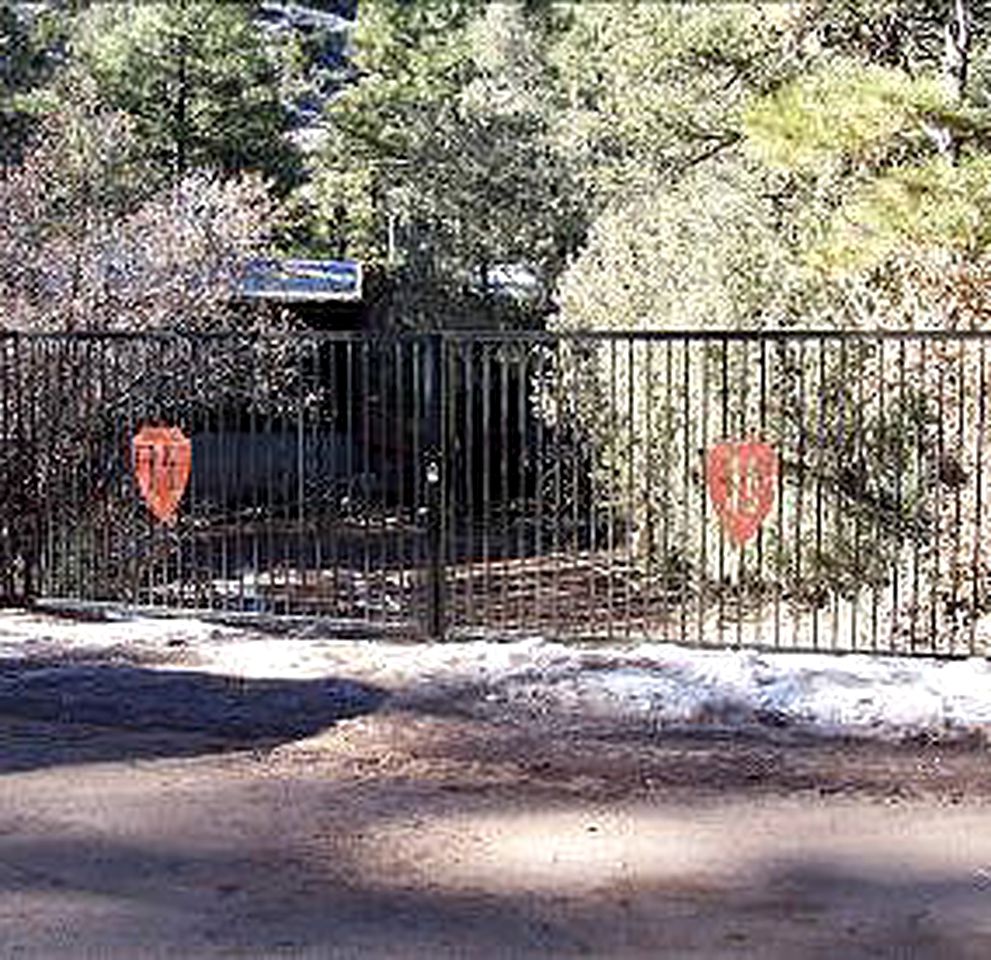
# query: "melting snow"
[[660, 684]]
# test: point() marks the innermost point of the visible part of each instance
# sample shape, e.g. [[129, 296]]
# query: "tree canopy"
[[196, 79], [30, 40], [442, 160]]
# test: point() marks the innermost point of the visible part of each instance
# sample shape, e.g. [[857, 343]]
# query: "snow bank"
[[852, 695], [659, 684]]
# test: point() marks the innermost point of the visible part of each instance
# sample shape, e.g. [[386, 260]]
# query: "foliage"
[[645, 91], [28, 43], [195, 78], [86, 244], [906, 34], [844, 113], [702, 252], [936, 205], [441, 162]]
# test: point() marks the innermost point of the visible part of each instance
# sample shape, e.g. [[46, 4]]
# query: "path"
[[411, 835]]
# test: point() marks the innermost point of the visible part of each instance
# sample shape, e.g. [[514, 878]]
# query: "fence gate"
[[307, 487], [795, 490]]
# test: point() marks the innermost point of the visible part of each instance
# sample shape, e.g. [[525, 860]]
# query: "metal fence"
[[795, 490]]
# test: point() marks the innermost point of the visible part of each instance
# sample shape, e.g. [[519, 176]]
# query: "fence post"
[[22, 501], [434, 476]]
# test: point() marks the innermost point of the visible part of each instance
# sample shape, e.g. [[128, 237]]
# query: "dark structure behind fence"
[[438, 484]]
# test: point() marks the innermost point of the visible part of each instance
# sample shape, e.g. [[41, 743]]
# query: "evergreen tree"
[[442, 161], [197, 80], [30, 43]]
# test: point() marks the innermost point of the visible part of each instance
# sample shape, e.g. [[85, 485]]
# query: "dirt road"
[[430, 826]]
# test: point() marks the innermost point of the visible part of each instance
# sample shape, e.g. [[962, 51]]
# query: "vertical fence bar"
[[231, 506], [612, 469], [185, 529], [336, 490], [741, 584], [10, 483], [977, 600], [646, 531], [298, 543], [468, 354], [100, 573], [432, 466], [19, 549], [30, 487], [133, 548], [520, 501], [448, 449], [878, 525], [402, 496], [282, 444], [14, 481], [937, 470], [250, 592], [667, 505], [30, 421], [776, 446], [630, 519], [921, 497], [900, 417], [840, 447], [560, 506], [594, 494], [346, 522], [417, 366], [273, 521], [381, 473], [800, 473], [579, 450], [781, 406], [859, 491], [957, 480], [820, 459], [504, 551], [366, 595], [686, 478], [150, 413], [196, 512], [539, 479], [725, 436], [487, 481], [67, 463], [703, 500]]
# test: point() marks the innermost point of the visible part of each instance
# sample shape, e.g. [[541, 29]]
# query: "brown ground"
[[428, 830]]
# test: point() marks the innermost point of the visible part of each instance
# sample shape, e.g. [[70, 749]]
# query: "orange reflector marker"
[[163, 457], [741, 478]]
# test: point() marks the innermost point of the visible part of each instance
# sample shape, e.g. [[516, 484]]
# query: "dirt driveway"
[[420, 825]]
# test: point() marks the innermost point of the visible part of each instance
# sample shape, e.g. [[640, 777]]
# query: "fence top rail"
[[497, 336], [510, 336]]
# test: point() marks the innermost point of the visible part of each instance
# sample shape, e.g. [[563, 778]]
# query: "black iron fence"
[[800, 490]]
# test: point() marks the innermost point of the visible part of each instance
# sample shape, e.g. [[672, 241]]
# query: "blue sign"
[[297, 280]]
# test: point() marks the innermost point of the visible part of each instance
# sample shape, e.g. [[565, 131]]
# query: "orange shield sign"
[[741, 479], [163, 457]]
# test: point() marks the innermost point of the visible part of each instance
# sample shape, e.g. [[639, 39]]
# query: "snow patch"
[[658, 684]]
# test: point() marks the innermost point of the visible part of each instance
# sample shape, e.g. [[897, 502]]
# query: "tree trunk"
[[956, 63]]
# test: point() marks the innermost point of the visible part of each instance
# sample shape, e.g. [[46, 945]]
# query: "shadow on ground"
[[258, 903], [54, 712]]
